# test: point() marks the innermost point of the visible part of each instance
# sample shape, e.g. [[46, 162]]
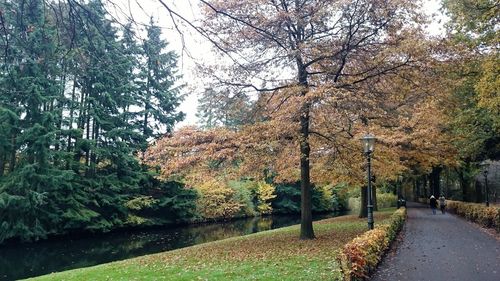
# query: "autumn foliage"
[[478, 213], [360, 256], [216, 201], [321, 75]]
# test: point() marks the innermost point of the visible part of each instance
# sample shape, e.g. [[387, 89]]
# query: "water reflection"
[[33, 259]]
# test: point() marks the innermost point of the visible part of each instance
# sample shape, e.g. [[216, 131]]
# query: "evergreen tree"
[[221, 108], [27, 193], [159, 92]]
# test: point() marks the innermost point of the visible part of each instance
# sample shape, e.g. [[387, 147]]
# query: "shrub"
[[354, 203], [287, 199], [265, 194], [244, 194], [386, 200], [217, 201], [361, 256], [165, 203], [340, 197], [255, 196], [322, 198], [141, 202], [478, 213]]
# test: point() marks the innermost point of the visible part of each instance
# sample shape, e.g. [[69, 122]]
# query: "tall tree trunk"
[[87, 151], [447, 183], [435, 179], [71, 113], [82, 114], [462, 184], [479, 191], [306, 226], [416, 190], [60, 106], [81, 126], [465, 182], [425, 186], [2, 165], [12, 162], [93, 156], [363, 202], [145, 130], [431, 184], [374, 198]]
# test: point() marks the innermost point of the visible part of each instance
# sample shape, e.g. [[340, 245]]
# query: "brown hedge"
[[361, 256], [478, 213]]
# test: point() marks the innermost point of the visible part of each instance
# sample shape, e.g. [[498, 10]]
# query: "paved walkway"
[[441, 247]]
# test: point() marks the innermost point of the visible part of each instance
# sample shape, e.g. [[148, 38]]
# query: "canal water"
[[34, 259]]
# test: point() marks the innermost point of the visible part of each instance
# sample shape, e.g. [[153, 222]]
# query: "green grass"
[[271, 255]]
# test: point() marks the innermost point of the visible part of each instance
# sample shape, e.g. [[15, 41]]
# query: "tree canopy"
[[327, 72]]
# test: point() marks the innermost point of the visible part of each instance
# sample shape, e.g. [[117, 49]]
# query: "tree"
[[325, 50], [328, 72], [473, 33], [157, 84], [265, 193], [473, 107], [220, 108]]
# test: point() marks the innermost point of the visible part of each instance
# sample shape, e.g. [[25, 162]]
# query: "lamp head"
[[368, 141], [484, 166]]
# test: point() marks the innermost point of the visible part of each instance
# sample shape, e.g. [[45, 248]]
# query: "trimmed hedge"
[[361, 256], [478, 213]]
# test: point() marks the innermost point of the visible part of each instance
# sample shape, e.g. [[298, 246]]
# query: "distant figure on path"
[[433, 204], [442, 203]]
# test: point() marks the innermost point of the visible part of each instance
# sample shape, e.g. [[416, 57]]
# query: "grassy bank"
[[271, 255]]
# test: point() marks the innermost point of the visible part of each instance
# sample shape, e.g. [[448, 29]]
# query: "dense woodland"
[[88, 105], [80, 98]]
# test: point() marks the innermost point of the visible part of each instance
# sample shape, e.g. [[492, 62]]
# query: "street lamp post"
[[398, 190], [368, 145], [484, 165]]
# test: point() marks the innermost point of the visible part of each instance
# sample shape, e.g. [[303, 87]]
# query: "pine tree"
[[34, 95], [158, 89], [221, 108]]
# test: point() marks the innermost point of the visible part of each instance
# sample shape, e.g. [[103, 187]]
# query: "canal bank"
[[277, 254], [25, 260]]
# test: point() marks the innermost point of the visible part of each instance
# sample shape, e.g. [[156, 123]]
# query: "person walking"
[[433, 204], [442, 203]]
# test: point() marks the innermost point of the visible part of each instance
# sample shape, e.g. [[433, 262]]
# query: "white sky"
[[197, 49]]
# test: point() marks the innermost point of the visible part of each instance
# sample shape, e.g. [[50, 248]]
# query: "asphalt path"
[[441, 247]]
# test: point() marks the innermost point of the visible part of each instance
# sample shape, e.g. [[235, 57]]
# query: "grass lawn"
[[270, 255]]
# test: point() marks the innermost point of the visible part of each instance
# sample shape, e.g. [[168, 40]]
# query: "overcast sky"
[[195, 48]]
